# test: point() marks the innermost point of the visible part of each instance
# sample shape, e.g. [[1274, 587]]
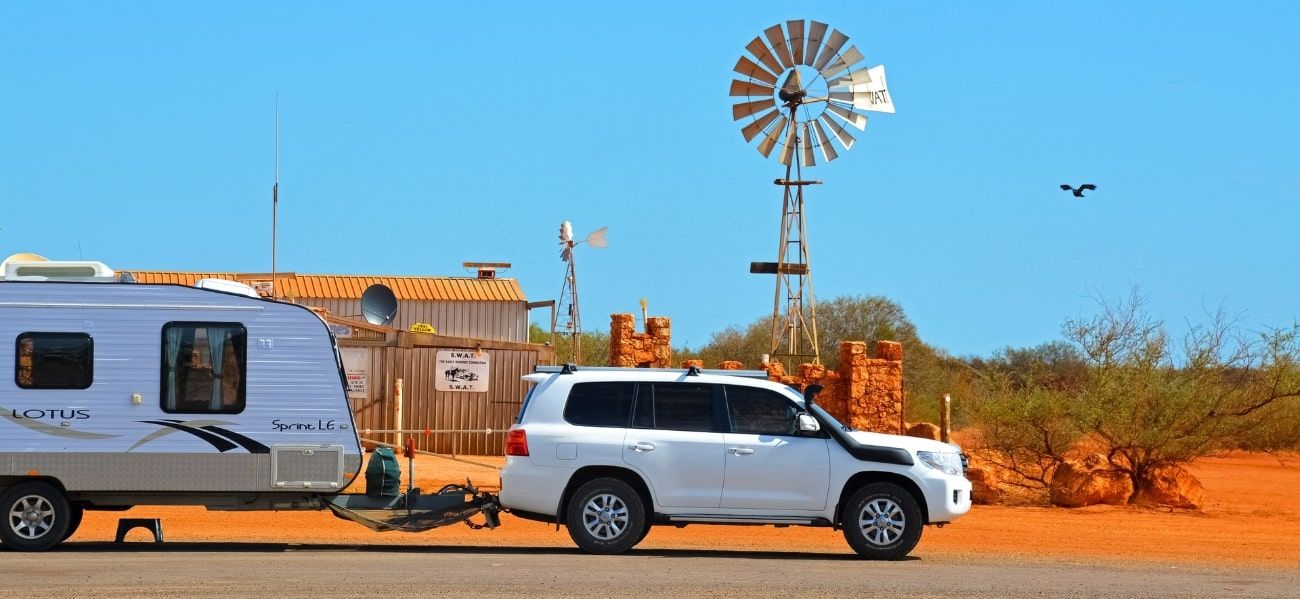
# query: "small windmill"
[[568, 304], [801, 84]]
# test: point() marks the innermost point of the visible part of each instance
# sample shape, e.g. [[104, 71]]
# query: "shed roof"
[[462, 289]]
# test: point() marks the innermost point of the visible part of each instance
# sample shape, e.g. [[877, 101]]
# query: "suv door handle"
[[642, 446], [740, 451]]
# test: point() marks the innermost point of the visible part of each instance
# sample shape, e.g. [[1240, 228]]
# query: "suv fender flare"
[[867, 477], [587, 473]]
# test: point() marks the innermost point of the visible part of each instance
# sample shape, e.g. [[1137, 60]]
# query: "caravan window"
[[204, 367], [54, 361]]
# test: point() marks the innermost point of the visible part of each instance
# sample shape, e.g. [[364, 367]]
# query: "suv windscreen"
[[675, 406], [759, 411], [600, 404]]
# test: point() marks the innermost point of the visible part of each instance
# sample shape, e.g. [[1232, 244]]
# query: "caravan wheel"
[[36, 516]]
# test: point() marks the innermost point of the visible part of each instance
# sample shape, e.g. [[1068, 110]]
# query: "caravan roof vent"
[[72, 270], [226, 286]]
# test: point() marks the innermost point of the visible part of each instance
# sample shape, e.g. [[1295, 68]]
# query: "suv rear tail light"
[[516, 442]]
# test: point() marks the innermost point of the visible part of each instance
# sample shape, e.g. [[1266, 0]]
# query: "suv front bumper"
[[947, 497]]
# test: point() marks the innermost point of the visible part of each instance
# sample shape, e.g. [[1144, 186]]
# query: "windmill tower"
[[567, 312], [801, 88]]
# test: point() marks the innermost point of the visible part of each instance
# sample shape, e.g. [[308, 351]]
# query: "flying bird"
[[1078, 193]]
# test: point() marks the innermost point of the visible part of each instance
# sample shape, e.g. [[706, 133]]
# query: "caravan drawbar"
[[115, 394]]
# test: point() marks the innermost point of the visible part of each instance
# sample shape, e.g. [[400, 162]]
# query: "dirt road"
[[278, 570]]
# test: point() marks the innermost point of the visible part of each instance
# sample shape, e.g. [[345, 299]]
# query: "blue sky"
[[418, 136]]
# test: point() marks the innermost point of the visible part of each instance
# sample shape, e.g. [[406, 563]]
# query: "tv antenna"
[[802, 91], [568, 304]]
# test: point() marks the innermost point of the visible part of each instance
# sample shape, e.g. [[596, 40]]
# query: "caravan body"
[[123, 394]]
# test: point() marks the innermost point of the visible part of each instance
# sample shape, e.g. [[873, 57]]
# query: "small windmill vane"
[[802, 89]]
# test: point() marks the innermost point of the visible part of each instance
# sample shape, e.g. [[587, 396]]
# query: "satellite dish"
[[378, 305]]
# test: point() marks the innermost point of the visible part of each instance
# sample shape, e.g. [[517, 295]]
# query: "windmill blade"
[[831, 48], [765, 146], [758, 125], [744, 109], [843, 63], [787, 149], [796, 40], [853, 118], [874, 96], [747, 88], [858, 77], [838, 131], [816, 31], [750, 69], [828, 151], [807, 148], [777, 38], [765, 56]]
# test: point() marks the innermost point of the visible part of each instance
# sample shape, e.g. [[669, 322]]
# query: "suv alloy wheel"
[[882, 521], [606, 515]]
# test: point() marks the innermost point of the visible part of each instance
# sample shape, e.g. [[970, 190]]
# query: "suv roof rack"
[[692, 371]]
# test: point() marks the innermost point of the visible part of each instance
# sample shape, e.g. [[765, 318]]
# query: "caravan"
[[115, 394]]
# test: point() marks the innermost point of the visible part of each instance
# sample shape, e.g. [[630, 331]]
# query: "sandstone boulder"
[[984, 486], [889, 350], [924, 430], [1172, 486], [1075, 484], [730, 365]]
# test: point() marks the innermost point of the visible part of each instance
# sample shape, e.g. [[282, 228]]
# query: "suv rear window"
[[600, 404]]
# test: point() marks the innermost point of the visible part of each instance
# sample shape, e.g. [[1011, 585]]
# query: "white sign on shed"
[[356, 367], [461, 370]]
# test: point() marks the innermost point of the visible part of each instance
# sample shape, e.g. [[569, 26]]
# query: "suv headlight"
[[947, 462]]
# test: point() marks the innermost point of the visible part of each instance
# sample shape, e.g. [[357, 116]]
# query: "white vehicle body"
[[717, 476]]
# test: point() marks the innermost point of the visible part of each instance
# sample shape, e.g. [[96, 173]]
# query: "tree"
[[927, 372], [1144, 400], [594, 346]]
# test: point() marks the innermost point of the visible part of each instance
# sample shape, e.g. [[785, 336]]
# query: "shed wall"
[[426, 408]]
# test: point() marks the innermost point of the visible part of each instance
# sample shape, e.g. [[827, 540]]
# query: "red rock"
[[924, 430], [1172, 486], [889, 350], [984, 486], [1076, 485]]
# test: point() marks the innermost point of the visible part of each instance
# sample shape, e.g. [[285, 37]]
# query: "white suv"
[[611, 451]]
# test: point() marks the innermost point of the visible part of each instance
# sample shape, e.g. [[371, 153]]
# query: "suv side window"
[[759, 411], [599, 404], [676, 406]]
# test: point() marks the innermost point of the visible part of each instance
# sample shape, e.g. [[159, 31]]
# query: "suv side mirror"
[[808, 424]]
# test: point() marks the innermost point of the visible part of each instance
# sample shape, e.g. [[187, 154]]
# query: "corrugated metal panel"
[[351, 286], [502, 321], [426, 408]]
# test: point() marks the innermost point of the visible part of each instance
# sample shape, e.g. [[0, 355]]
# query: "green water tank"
[[383, 476]]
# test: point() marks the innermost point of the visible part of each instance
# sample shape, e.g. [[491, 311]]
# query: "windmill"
[[802, 86], [568, 305]]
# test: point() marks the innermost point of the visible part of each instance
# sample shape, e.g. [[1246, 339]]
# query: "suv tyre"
[[606, 516], [882, 521]]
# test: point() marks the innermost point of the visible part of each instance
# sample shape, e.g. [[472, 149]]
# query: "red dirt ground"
[[1252, 516]]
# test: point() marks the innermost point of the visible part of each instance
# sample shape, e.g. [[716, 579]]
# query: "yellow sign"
[[423, 327]]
